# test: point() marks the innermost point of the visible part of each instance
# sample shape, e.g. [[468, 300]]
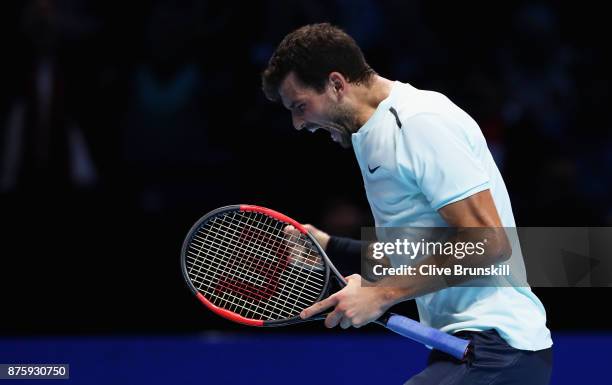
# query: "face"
[[312, 110]]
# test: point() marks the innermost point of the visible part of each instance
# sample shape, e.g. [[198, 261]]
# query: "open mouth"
[[310, 127], [334, 134]]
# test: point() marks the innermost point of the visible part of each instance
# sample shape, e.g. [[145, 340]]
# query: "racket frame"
[[329, 267]]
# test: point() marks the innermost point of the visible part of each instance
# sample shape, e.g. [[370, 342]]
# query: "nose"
[[297, 122]]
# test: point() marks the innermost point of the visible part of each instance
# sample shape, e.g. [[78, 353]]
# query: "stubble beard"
[[343, 120]]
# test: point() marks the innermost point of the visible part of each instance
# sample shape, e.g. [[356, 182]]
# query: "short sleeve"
[[436, 154]]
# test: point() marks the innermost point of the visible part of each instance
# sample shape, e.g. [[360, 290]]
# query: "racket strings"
[[290, 281], [242, 276], [253, 278], [246, 263], [260, 262], [234, 297], [303, 253]]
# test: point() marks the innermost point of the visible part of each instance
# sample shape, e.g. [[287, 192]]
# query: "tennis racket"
[[241, 263]]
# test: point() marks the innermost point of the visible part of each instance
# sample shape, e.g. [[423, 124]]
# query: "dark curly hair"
[[312, 52]]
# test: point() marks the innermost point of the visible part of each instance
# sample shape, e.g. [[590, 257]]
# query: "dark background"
[[121, 123]]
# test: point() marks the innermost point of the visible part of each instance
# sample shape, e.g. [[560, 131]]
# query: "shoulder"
[[426, 127], [412, 107]]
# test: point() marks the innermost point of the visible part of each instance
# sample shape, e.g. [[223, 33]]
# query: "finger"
[[352, 278], [358, 322], [290, 230], [333, 318], [345, 323], [319, 307]]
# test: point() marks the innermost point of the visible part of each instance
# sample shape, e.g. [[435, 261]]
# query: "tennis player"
[[425, 163]]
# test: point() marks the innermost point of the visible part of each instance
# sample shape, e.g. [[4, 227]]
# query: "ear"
[[337, 82]]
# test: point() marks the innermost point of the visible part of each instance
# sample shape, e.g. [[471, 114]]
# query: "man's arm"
[[476, 211], [351, 309]]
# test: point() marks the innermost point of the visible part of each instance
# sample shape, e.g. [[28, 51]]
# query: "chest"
[[395, 198]]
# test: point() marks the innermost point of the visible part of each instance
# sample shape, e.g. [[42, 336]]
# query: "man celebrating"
[[425, 163]]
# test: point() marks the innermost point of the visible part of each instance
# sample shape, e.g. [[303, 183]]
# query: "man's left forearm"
[[398, 288]]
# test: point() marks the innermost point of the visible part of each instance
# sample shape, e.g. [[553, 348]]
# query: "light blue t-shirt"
[[419, 152]]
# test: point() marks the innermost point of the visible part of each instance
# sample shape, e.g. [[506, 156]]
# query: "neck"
[[369, 97]]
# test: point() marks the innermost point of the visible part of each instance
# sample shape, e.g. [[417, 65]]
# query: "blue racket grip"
[[426, 335]]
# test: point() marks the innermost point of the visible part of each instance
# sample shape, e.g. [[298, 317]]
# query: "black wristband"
[[345, 254]]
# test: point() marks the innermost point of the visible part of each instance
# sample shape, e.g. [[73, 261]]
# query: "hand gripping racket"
[[241, 263]]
